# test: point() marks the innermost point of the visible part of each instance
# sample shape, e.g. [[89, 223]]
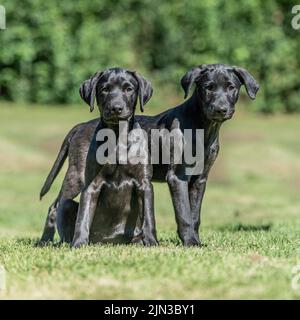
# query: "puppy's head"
[[116, 92], [217, 87]]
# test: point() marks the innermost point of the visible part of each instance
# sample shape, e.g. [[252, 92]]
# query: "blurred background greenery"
[[50, 47]]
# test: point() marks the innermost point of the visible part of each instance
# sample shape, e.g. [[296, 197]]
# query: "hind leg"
[[66, 219], [71, 187], [49, 228]]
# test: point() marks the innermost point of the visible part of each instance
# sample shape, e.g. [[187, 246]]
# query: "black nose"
[[221, 110], [116, 109]]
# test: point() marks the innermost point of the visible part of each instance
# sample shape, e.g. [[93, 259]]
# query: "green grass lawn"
[[250, 222]]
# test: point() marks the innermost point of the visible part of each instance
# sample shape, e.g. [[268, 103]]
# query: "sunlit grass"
[[250, 223]]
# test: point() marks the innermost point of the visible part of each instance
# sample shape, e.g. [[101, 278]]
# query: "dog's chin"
[[219, 119], [115, 120], [216, 119]]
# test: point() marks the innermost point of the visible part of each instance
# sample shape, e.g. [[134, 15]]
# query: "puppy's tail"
[[61, 157]]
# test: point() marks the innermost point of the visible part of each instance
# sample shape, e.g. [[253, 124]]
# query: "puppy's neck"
[[115, 127], [211, 133], [211, 128]]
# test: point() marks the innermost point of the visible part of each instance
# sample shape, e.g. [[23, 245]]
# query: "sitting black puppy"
[[116, 203]]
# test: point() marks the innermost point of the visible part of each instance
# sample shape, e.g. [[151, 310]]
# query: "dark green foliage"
[[50, 47]]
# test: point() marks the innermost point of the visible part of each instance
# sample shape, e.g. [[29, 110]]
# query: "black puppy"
[[213, 101], [116, 203]]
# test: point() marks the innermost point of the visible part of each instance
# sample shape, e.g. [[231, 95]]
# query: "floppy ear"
[[87, 89], [145, 90], [248, 81], [189, 78]]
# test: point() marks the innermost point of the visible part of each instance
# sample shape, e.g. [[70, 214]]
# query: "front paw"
[[192, 241], [43, 243], [150, 241], [78, 243]]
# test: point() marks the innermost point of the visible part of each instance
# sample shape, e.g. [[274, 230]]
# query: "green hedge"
[[49, 47]]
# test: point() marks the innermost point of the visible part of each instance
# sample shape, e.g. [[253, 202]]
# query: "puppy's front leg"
[[147, 215], [180, 198], [86, 211]]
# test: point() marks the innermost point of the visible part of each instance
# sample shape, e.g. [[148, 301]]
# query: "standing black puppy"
[[116, 203], [216, 92], [213, 101]]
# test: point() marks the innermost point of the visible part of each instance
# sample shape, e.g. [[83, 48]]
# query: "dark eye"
[[128, 89], [231, 87], [104, 90], [210, 87]]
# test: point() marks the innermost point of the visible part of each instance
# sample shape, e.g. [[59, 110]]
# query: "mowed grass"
[[250, 219]]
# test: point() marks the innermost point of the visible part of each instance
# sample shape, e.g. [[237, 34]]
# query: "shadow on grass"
[[236, 227], [166, 240], [34, 242], [26, 241], [54, 244]]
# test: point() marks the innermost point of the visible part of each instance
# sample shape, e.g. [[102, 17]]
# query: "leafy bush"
[[50, 47]]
